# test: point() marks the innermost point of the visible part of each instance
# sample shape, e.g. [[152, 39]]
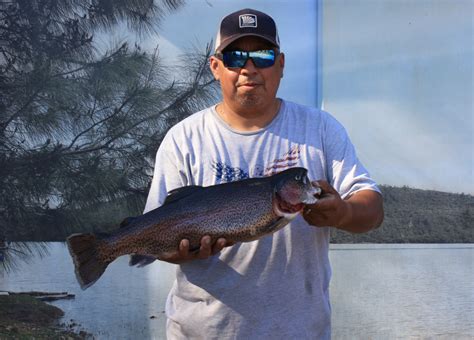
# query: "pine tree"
[[79, 130]]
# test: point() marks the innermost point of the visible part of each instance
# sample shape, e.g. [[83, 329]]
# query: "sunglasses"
[[237, 59]]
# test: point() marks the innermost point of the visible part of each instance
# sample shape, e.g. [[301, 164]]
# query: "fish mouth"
[[283, 208], [311, 195]]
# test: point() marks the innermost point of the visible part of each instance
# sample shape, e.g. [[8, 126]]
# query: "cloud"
[[167, 49], [400, 150]]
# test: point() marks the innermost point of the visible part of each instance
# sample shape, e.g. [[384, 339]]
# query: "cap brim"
[[233, 38]]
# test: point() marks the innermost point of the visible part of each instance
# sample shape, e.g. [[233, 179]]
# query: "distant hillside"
[[419, 216], [411, 216]]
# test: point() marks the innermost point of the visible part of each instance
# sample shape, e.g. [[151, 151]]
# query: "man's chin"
[[250, 100]]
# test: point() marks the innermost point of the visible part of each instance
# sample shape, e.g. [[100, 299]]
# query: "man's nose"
[[249, 66]]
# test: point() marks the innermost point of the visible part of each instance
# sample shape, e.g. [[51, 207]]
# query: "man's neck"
[[249, 119]]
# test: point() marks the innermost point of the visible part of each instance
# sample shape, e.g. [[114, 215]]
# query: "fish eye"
[[297, 177]]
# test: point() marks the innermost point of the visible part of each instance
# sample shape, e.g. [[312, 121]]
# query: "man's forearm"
[[364, 212]]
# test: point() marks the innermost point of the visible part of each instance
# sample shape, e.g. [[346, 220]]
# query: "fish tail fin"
[[88, 265]]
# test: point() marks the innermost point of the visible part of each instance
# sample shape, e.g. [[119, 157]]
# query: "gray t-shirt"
[[275, 287]]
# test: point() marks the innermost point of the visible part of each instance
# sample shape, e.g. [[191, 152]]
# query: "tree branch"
[[16, 114]]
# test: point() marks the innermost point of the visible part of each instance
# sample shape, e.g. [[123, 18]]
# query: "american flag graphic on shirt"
[[226, 173]]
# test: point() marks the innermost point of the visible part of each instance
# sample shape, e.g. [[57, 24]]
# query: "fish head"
[[292, 190]]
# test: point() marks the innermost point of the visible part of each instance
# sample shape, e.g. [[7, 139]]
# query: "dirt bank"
[[25, 317]]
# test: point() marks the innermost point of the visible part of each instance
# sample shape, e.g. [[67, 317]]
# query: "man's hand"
[[207, 249], [330, 209], [361, 212]]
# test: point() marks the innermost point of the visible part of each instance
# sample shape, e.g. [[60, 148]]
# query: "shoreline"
[[25, 316]]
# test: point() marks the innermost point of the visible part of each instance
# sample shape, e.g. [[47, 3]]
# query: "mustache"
[[249, 83]]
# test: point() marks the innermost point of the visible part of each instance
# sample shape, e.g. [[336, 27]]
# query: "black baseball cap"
[[244, 23]]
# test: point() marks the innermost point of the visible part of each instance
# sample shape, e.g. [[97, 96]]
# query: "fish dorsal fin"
[[126, 222], [177, 194]]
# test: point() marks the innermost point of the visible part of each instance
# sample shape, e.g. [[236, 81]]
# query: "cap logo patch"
[[247, 20]]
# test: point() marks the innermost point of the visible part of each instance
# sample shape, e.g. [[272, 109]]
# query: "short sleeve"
[[168, 173], [345, 171]]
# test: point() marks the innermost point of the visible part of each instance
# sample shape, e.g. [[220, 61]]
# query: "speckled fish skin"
[[239, 211]]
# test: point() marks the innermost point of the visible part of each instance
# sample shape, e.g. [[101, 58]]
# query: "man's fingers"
[[183, 248], [325, 187], [206, 247], [218, 246], [205, 250], [326, 200]]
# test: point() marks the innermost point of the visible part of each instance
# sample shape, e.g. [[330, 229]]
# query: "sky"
[[202, 17], [397, 74]]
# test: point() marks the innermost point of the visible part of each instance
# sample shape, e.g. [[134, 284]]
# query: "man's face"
[[248, 88]]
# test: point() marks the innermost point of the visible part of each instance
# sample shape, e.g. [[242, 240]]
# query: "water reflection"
[[377, 291], [126, 302], [403, 291]]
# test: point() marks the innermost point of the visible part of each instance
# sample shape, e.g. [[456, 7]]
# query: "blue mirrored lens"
[[261, 59], [234, 58]]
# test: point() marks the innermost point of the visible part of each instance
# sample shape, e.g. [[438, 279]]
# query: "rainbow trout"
[[240, 211]]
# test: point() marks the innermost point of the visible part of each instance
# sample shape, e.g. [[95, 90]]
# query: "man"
[[275, 287]]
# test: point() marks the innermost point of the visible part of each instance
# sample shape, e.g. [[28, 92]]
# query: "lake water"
[[377, 292]]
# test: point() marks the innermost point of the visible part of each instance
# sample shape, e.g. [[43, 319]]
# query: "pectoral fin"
[[280, 223], [141, 260]]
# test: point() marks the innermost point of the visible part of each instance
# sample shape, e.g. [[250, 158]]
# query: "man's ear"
[[281, 63], [214, 65]]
